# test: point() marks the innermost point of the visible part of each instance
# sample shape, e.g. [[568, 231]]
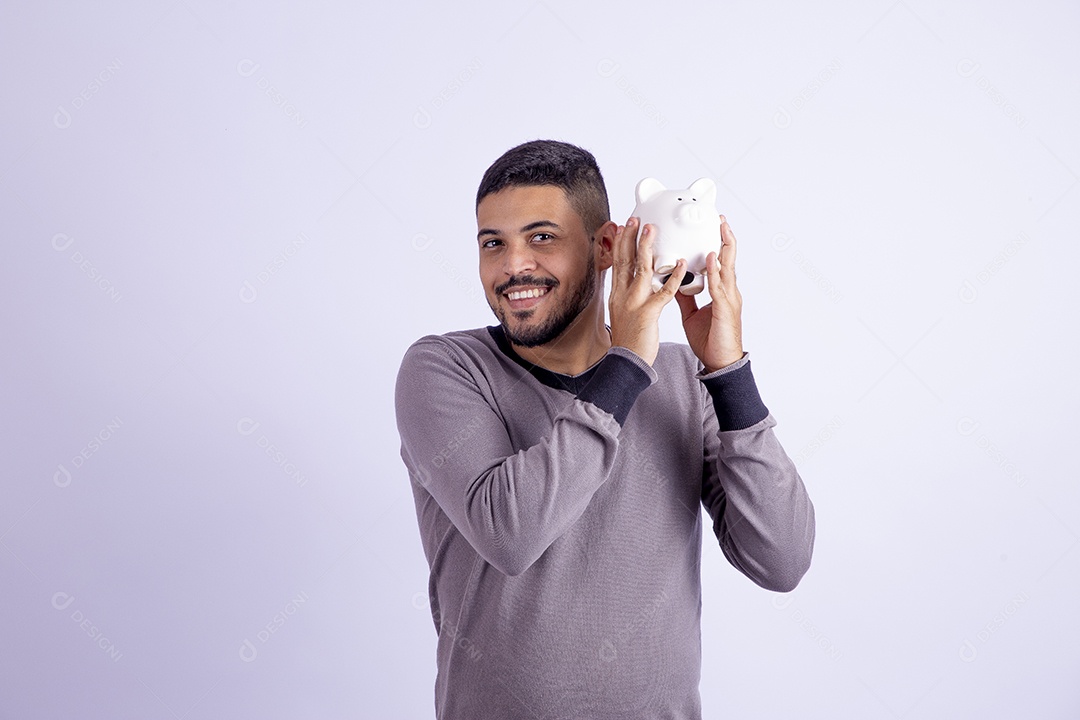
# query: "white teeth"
[[522, 294]]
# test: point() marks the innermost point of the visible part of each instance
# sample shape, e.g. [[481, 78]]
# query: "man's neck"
[[581, 346]]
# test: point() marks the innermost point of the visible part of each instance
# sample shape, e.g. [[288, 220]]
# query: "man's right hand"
[[634, 307]]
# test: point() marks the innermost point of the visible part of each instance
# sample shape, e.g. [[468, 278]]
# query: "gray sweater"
[[561, 519]]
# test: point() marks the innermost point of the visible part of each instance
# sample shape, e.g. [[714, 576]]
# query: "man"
[[559, 466]]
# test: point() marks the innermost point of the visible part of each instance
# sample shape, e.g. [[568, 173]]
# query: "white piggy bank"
[[687, 224]]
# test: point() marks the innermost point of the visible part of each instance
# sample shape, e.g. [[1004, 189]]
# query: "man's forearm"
[[767, 528], [763, 517]]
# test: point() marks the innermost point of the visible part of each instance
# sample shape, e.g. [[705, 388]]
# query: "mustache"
[[526, 281]]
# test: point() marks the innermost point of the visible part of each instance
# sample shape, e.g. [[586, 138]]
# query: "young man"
[[559, 466]]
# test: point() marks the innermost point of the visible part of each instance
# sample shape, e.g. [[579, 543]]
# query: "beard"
[[558, 319]]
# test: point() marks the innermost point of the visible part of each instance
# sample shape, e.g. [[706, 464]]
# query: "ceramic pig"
[[687, 224]]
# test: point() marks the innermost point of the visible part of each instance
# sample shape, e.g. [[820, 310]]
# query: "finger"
[[727, 253], [687, 305], [713, 270], [670, 288], [643, 265], [622, 255], [616, 262]]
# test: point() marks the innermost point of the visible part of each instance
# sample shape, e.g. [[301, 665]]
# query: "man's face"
[[537, 262]]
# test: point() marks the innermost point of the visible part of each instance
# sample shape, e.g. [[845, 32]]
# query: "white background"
[[223, 225]]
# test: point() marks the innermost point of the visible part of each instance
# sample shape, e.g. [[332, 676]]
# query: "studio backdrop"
[[224, 223]]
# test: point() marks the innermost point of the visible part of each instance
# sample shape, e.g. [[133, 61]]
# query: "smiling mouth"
[[526, 294], [525, 298]]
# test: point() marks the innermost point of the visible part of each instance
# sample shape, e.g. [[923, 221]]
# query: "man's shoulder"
[[456, 339], [463, 347]]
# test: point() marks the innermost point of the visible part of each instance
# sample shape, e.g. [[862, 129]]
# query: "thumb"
[[687, 305]]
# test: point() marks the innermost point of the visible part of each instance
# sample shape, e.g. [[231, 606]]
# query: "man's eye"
[[543, 237], [490, 243]]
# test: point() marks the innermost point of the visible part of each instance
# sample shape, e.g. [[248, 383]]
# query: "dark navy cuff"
[[616, 384], [735, 397]]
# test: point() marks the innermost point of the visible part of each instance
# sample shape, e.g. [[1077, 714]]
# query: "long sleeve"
[[762, 515], [510, 505], [562, 514]]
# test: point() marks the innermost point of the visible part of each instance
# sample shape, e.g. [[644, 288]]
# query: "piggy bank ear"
[[704, 189], [648, 189]]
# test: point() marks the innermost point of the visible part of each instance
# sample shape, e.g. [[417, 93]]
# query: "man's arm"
[[509, 504], [761, 512]]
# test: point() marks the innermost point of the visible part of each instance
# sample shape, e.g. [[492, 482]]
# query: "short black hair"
[[552, 162]]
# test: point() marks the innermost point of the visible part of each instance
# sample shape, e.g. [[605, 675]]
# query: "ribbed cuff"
[[617, 382], [735, 396]]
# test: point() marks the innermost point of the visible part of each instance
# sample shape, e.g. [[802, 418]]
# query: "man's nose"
[[518, 259]]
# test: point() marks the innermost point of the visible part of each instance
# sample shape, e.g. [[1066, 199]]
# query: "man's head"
[[550, 162], [540, 209]]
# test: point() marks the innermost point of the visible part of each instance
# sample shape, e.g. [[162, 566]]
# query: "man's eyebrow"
[[527, 228]]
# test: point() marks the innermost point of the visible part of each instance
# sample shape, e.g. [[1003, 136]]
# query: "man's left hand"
[[714, 332]]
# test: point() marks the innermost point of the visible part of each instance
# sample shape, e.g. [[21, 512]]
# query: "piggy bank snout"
[[689, 214]]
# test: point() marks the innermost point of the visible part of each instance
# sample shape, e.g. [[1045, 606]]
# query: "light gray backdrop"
[[223, 225]]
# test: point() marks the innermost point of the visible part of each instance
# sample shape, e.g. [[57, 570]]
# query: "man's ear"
[[605, 245]]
